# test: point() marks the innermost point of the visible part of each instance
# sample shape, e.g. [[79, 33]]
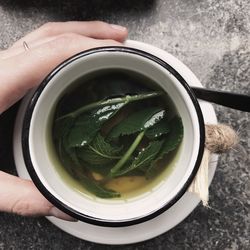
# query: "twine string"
[[220, 138]]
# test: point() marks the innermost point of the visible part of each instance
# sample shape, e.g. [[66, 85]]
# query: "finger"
[[93, 29], [31, 66], [21, 197], [14, 51]]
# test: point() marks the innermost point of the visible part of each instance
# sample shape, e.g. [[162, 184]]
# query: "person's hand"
[[22, 67]]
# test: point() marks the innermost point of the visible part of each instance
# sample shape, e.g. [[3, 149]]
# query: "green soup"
[[114, 134]]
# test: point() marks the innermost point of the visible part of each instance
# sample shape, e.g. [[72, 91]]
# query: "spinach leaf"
[[137, 122]]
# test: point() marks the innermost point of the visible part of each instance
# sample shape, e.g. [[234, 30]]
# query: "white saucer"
[[146, 230]]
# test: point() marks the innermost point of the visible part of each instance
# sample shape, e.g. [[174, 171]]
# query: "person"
[[22, 67]]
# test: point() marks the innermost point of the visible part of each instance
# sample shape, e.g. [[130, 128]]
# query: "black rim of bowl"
[[59, 204]]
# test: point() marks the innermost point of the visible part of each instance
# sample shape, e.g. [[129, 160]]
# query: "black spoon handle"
[[227, 99]]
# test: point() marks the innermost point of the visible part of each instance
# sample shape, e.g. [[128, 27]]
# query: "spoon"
[[224, 98]]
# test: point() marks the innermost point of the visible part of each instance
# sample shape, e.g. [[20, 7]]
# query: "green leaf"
[[99, 152], [95, 188], [87, 125], [89, 119], [83, 131], [82, 124], [62, 127], [98, 190], [144, 158], [70, 153], [127, 155], [137, 122], [171, 141], [107, 102], [83, 150], [159, 129], [64, 158], [174, 137], [70, 161]]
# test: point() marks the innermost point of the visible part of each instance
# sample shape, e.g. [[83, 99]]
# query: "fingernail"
[[118, 27], [61, 215]]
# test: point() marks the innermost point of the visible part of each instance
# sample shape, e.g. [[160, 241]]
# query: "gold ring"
[[25, 45]]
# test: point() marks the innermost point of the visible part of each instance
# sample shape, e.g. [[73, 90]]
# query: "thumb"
[[24, 71], [22, 197]]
